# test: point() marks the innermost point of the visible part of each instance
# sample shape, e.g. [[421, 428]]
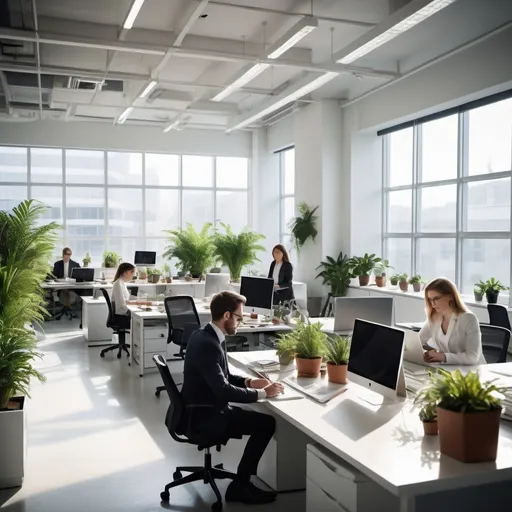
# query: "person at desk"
[[121, 295], [450, 327], [281, 271], [64, 267], [209, 387]]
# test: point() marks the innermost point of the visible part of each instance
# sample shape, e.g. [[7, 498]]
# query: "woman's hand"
[[259, 383], [276, 286], [432, 356]]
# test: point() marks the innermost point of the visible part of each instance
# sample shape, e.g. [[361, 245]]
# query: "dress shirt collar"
[[218, 332]]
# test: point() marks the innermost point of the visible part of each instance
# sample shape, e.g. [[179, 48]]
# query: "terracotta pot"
[[285, 359], [337, 373], [469, 437], [143, 275], [404, 286], [364, 280], [416, 287], [430, 428], [380, 281], [276, 321], [168, 279], [308, 367]]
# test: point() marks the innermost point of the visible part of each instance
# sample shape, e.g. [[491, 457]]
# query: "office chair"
[[174, 422], [498, 315], [120, 331], [495, 342], [66, 309]]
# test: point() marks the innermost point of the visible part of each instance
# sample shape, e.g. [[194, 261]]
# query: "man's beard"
[[231, 330]]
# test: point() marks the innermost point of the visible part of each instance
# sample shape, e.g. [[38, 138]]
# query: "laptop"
[[413, 353], [373, 309]]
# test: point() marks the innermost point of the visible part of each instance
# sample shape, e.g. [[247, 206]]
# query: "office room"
[[255, 255]]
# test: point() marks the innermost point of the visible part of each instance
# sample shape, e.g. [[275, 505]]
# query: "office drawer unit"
[[149, 337], [319, 500], [344, 484]]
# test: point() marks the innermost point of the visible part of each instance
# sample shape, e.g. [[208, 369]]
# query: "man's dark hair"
[[66, 250], [225, 301]]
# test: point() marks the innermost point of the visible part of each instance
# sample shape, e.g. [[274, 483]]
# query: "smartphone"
[[427, 347]]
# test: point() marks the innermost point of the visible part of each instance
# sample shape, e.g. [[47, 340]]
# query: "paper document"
[[289, 394], [319, 389]]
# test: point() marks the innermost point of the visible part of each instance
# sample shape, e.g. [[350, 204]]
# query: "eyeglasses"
[[433, 300], [67, 254], [239, 318]]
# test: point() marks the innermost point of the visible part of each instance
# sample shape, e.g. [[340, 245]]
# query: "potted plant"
[[86, 260], [237, 250], [492, 290], [336, 354], [143, 274], [154, 275], [468, 415], [336, 273], [393, 280], [363, 266], [310, 348], [25, 249], [193, 249], [286, 346], [303, 226], [111, 259], [403, 282], [479, 291], [380, 272], [426, 399], [416, 283], [167, 273]]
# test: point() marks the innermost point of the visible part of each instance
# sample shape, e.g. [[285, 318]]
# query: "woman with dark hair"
[[281, 271], [121, 295]]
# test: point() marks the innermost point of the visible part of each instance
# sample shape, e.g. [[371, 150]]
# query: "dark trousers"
[[123, 321]]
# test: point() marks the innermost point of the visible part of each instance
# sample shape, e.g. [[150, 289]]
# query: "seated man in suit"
[[65, 266], [208, 387]]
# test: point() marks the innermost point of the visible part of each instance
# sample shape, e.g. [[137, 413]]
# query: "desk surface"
[[385, 442]]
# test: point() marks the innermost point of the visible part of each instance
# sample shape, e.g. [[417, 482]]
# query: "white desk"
[[387, 444]]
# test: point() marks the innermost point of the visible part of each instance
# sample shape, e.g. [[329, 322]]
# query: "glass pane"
[[439, 149], [197, 208], [13, 164], [197, 171], [438, 209], [85, 211], [124, 212], [232, 172], [126, 247], [81, 246], [482, 259], [490, 138], [11, 196], [400, 211], [162, 210], [51, 197], [288, 213], [86, 167], [488, 205], [124, 168], [398, 252], [232, 209], [45, 165], [436, 258], [400, 157], [289, 172], [162, 170]]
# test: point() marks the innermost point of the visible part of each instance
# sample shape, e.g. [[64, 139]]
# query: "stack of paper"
[[266, 366], [319, 389]]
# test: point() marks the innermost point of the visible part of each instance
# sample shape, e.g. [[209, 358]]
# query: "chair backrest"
[[495, 342], [176, 409], [110, 316], [498, 315], [181, 310]]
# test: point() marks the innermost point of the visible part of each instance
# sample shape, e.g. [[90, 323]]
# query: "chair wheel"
[[157, 393], [176, 475], [102, 354], [164, 496], [118, 356], [219, 466], [217, 506]]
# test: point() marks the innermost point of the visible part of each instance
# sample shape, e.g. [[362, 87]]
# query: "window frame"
[[283, 232]]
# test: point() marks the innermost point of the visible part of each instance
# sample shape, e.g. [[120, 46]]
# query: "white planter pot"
[[13, 446]]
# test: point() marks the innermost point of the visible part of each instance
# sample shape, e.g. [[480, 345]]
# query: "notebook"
[[319, 389]]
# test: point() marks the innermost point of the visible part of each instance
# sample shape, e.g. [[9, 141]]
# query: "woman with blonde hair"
[[453, 331]]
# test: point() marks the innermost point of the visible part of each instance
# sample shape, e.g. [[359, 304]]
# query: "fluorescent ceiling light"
[[122, 118], [431, 7], [292, 37], [172, 126], [298, 93], [134, 11], [148, 89], [249, 75]]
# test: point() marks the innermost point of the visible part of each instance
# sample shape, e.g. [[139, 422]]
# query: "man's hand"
[[434, 357], [274, 389], [259, 383]]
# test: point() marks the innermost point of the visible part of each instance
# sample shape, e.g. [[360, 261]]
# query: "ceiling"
[[72, 60]]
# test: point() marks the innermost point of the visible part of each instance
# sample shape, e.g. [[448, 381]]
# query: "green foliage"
[[336, 273], [394, 279], [338, 349], [415, 279], [111, 259], [286, 344], [237, 251], [402, 278], [303, 226], [194, 250], [309, 339], [381, 269], [363, 265], [494, 286], [153, 272], [87, 259], [480, 287], [166, 268]]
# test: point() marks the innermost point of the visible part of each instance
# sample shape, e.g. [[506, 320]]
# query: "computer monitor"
[[83, 275], [375, 357], [215, 283], [374, 309], [259, 292], [145, 258]]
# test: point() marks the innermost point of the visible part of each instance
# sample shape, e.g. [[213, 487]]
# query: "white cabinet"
[[317, 499]]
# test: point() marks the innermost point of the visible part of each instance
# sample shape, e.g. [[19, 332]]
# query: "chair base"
[[65, 311], [119, 347]]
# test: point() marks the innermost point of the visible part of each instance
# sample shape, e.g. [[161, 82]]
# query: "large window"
[[287, 191], [123, 201], [447, 196]]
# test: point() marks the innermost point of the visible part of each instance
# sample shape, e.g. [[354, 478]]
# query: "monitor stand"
[[374, 398]]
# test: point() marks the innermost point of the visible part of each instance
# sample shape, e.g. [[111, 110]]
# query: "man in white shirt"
[[64, 268]]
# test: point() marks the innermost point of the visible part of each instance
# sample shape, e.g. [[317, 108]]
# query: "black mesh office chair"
[[495, 342], [174, 422], [498, 315], [119, 330]]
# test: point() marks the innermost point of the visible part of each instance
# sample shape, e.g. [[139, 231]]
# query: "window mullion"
[[416, 154]]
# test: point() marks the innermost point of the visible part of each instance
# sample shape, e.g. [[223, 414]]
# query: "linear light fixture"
[[293, 96], [124, 116], [148, 89], [172, 126], [377, 37], [132, 14], [292, 37], [246, 77]]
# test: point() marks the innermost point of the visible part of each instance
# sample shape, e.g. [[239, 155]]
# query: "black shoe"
[[246, 492]]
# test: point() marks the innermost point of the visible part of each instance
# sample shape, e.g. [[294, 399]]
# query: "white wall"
[[280, 135]]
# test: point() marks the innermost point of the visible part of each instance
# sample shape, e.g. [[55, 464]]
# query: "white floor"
[[97, 439]]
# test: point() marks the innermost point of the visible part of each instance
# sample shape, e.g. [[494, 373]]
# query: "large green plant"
[[303, 226], [363, 265], [194, 250], [237, 250], [336, 273]]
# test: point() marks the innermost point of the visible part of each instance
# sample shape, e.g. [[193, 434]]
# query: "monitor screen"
[[83, 275], [376, 353], [145, 258], [259, 292], [373, 309]]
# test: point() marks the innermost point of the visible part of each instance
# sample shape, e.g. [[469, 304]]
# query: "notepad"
[[319, 389]]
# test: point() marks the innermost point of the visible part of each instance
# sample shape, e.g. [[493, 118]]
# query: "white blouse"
[[462, 343], [277, 269], [120, 295]]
